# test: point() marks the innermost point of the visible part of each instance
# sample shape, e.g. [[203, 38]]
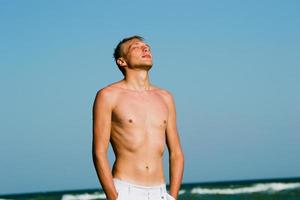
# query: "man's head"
[[133, 53]]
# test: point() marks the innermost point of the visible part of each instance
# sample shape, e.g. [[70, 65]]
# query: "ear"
[[121, 62]]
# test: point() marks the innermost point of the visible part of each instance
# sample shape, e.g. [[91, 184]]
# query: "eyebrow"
[[136, 43]]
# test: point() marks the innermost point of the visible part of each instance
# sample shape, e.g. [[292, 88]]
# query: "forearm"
[[105, 176], [176, 167]]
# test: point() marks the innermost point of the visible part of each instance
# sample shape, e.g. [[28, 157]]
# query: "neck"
[[137, 80]]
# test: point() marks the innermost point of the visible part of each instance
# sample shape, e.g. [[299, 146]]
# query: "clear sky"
[[232, 66]]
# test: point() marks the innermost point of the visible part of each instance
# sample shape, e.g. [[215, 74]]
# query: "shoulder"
[[165, 94], [107, 94], [109, 91]]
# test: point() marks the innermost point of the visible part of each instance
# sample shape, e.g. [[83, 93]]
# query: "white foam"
[[181, 192], [84, 196], [264, 187], [89, 196]]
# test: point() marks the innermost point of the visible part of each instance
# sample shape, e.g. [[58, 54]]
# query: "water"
[[271, 189]]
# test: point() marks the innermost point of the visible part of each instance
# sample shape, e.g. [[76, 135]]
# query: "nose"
[[146, 49]]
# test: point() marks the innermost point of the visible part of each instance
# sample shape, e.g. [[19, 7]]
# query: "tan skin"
[[138, 119]]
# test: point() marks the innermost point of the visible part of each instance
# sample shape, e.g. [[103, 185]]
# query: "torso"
[[138, 126]]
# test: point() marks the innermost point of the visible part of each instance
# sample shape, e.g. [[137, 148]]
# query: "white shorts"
[[129, 191]]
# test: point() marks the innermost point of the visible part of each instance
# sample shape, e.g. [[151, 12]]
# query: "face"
[[137, 55]]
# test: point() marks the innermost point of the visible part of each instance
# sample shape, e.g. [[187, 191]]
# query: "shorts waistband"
[[126, 183]]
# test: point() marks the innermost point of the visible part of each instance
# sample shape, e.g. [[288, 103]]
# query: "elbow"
[[95, 157], [177, 156], [181, 157], [98, 156]]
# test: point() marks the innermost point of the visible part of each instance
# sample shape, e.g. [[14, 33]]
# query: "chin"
[[144, 66]]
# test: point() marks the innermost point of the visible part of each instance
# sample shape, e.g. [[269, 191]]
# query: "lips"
[[146, 56]]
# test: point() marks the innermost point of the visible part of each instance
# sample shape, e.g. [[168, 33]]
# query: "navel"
[[147, 167], [130, 120], [165, 121]]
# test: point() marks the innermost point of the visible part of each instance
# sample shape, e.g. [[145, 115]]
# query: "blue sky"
[[232, 66]]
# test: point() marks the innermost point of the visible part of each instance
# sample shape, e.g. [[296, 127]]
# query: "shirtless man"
[[138, 119]]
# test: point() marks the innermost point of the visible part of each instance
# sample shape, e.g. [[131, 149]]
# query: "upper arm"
[[102, 110], [172, 136]]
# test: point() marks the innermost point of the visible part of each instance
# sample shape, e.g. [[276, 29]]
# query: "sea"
[[262, 189]]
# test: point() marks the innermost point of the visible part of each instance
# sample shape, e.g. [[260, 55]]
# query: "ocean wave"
[[89, 196], [262, 187], [181, 192], [83, 196]]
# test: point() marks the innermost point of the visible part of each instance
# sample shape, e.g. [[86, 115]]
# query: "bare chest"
[[140, 110]]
